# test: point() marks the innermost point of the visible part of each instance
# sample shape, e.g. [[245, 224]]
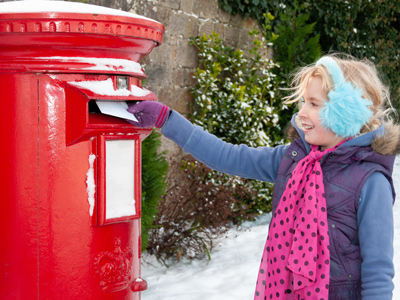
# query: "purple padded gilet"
[[345, 172]]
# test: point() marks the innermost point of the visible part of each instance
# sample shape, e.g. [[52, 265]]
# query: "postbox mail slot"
[[84, 121], [98, 119], [119, 180]]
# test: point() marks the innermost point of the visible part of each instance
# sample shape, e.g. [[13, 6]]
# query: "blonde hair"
[[361, 73]]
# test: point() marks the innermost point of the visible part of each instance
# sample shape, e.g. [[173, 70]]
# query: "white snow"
[[106, 88], [101, 64], [91, 185], [232, 271], [139, 92], [37, 6]]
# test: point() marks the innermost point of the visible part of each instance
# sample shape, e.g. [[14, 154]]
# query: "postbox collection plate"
[[118, 179]]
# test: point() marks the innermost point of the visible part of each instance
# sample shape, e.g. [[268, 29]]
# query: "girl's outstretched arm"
[[256, 163]]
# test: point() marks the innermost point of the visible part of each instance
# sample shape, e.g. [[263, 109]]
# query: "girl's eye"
[[313, 104], [302, 101]]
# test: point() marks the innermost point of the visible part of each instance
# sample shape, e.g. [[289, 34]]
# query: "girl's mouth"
[[307, 127]]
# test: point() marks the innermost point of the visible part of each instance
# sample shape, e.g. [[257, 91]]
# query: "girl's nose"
[[302, 112]]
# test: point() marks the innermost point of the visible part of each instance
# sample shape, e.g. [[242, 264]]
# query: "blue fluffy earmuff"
[[346, 111]]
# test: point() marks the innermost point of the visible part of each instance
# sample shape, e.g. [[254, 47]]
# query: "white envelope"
[[116, 109]]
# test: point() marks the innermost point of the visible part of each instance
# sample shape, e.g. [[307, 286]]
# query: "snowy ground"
[[232, 271]]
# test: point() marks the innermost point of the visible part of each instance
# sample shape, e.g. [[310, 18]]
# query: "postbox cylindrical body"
[[70, 176]]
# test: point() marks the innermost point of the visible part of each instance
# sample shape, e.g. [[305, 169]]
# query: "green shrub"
[[296, 44], [235, 96], [236, 99], [154, 186], [246, 8], [362, 28]]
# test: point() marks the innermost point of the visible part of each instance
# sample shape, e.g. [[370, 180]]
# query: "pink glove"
[[149, 114]]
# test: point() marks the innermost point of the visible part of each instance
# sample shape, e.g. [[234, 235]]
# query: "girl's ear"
[[346, 111]]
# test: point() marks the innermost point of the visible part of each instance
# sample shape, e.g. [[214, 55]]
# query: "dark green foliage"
[[154, 173], [295, 41], [362, 28], [247, 8], [297, 44]]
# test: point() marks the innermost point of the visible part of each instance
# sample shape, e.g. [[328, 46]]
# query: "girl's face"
[[313, 100]]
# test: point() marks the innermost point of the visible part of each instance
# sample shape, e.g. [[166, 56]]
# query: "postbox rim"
[[55, 17], [64, 9], [56, 39]]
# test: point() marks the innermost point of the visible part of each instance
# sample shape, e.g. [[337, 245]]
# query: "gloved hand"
[[149, 114]]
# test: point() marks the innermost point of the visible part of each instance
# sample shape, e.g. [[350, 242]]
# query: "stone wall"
[[170, 67]]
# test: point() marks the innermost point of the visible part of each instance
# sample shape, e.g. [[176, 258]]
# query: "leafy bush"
[[154, 185], [296, 44], [246, 8], [362, 28], [236, 99], [235, 96]]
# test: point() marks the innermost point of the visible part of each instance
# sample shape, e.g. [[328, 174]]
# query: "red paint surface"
[[51, 248]]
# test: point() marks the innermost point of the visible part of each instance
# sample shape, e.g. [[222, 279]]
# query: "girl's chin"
[[312, 141]]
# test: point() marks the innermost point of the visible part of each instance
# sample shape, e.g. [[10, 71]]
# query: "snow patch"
[[91, 185], [106, 88], [101, 64], [139, 92], [37, 6]]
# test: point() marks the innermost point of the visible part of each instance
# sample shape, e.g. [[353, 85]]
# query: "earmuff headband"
[[333, 68], [346, 111]]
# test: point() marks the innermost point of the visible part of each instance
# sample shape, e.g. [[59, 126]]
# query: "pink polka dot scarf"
[[296, 259]]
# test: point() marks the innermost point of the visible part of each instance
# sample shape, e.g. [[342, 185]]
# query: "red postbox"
[[70, 176]]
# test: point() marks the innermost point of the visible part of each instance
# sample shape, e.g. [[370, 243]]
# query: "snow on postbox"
[[70, 176]]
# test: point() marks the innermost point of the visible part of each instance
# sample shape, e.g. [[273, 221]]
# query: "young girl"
[[331, 235]]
